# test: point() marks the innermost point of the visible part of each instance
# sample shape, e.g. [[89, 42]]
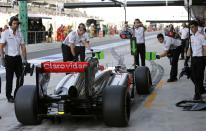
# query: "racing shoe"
[[202, 92], [172, 80], [197, 97], [11, 100]]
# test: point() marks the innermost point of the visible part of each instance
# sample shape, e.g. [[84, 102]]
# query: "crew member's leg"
[[136, 56], [197, 75], [9, 77], [66, 53], [142, 53], [174, 64], [183, 48], [82, 53], [18, 72]]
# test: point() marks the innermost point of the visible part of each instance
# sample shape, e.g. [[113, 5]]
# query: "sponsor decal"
[[64, 66]]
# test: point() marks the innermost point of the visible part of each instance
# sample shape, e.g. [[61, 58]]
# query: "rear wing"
[[63, 67]]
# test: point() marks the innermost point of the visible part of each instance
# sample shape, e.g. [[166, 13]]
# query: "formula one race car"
[[87, 89]]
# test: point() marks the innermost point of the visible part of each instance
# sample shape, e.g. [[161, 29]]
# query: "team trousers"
[[175, 53], [13, 64], [67, 54], [140, 51], [197, 75]]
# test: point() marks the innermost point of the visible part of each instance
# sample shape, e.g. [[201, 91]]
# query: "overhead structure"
[[198, 9], [119, 4], [167, 21]]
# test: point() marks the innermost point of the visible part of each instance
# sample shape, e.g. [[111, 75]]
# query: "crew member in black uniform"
[[138, 33], [198, 44], [75, 43], [13, 43], [172, 50]]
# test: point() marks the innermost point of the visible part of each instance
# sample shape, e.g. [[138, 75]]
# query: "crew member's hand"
[[3, 62], [75, 58], [24, 61], [157, 56], [186, 60]]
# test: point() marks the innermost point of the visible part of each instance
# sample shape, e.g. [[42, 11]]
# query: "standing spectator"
[[50, 32], [184, 33], [13, 43], [140, 39]]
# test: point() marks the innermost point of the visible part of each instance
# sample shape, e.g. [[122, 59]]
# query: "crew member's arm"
[[24, 53], [85, 42], [166, 50], [163, 54], [204, 46], [71, 41], [2, 45], [23, 49], [1, 50]]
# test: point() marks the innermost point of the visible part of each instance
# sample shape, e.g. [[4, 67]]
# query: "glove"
[[24, 62], [3, 62], [75, 58], [186, 61], [157, 56]]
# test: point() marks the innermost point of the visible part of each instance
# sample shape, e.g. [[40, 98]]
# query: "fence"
[[35, 37]]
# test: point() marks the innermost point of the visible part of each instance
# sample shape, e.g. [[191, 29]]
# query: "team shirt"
[[184, 33], [197, 41], [171, 43], [74, 38], [12, 42], [139, 34]]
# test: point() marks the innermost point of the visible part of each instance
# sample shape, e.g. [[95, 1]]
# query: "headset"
[[13, 18]]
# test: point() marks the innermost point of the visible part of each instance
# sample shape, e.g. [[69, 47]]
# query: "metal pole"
[[125, 14], [189, 15], [189, 18], [124, 4], [23, 16]]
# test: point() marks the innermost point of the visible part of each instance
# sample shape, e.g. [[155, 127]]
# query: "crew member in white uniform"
[[184, 33], [12, 42], [140, 40], [172, 49], [198, 44], [75, 43]]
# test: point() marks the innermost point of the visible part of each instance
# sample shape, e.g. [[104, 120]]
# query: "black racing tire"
[[26, 105], [116, 106], [143, 80]]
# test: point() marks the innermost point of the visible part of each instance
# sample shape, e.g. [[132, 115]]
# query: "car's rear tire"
[[143, 80], [26, 105], [116, 106]]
